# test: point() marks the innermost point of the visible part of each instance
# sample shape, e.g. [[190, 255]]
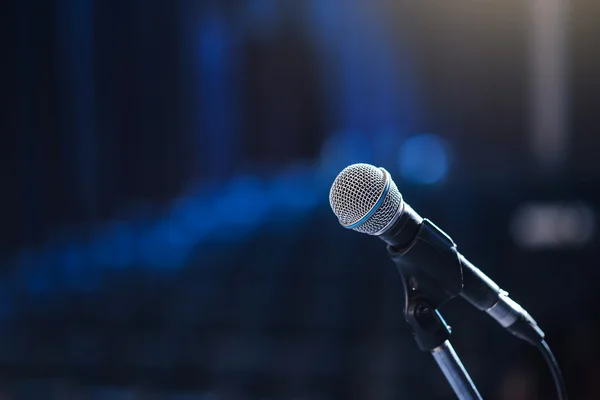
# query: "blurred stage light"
[[553, 225], [228, 213], [424, 159]]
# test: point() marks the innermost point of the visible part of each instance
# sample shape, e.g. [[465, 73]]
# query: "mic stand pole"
[[432, 334], [455, 372]]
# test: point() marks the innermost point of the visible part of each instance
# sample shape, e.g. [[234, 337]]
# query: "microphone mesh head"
[[357, 191]]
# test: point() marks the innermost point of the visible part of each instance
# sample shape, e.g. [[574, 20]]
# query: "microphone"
[[364, 198]]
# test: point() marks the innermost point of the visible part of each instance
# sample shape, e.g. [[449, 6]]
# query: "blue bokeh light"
[[226, 214], [424, 159]]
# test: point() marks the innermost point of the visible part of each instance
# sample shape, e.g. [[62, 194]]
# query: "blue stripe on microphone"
[[374, 209]]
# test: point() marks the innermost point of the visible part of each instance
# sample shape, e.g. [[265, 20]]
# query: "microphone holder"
[[430, 279]]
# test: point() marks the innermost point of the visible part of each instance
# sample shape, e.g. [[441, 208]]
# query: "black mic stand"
[[430, 279]]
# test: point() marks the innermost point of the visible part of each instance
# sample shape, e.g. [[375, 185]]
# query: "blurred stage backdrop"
[[166, 232]]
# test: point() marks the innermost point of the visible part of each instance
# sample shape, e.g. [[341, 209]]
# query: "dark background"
[[165, 168]]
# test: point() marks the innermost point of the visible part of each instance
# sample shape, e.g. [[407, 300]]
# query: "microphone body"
[[430, 264], [365, 199]]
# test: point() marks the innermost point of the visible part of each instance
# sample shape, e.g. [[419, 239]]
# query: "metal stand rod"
[[455, 372]]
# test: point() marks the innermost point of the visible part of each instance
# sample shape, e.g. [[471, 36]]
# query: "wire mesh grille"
[[385, 214], [356, 191]]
